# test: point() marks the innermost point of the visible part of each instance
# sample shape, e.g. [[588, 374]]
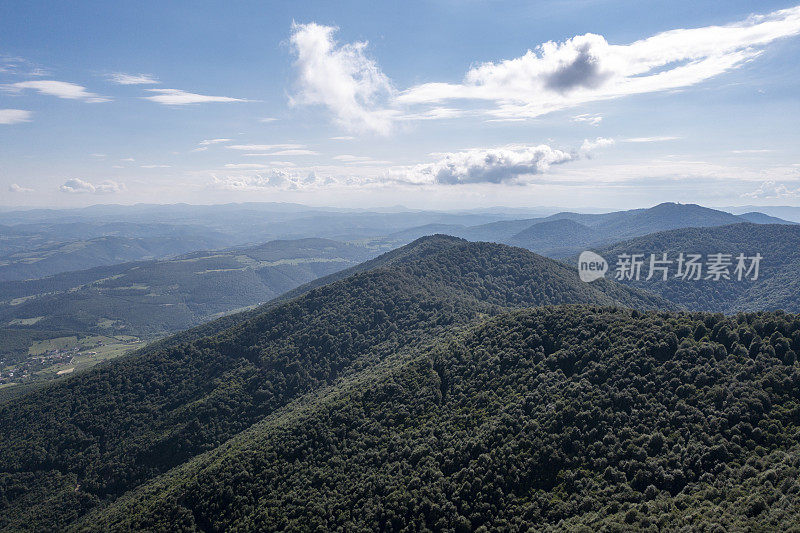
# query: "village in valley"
[[61, 356]]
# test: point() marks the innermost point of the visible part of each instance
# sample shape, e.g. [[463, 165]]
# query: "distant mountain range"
[[564, 234], [446, 385], [40, 243]]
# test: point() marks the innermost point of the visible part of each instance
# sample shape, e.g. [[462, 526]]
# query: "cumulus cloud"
[[494, 165], [770, 189], [60, 89], [121, 78], [342, 78], [78, 186], [14, 116], [587, 68], [178, 97], [275, 178], [16, 188]]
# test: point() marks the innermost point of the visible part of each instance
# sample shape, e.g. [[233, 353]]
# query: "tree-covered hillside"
[[777, 286], [76, 444], [554, 419]]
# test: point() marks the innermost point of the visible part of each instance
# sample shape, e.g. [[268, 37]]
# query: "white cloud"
[[351, 158], [752, 151], [77, 185], [244, 166], [586, 68], [275, 178], [594, 120], [267, 119], [128, 160], [14, 116], [342, 78], [343, 138], [178, 97], [435, 113], [121, 78], [770, 189], [16, 188], [206, 142], [497, 165], [61, 89], [295, 152], [156, 166], [589, 146], [265, 147], [651, 139]]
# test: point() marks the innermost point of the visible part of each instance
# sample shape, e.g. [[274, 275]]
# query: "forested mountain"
[[777, 286], [82, 442], [555, 238], [150, 298], [564, 234], [562, 418]]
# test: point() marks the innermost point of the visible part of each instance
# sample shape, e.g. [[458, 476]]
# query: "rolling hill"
[[151, 298], [555, 238], [80, 443], [777, 287], [29, 251]]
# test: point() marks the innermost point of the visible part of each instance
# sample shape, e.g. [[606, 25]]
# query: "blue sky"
[[436, 104]]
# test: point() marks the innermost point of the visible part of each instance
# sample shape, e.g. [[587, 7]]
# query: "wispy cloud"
[[656, 139], [60, 89], [207, 142], [295, 152], [265, 147], [19, 189], [594, 120], [267, 119], [587, 68], [156, 166], [121, 78], [14, 116], [351, 158], [177, 97]]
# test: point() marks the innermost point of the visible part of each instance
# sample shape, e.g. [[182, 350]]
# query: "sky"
[[438, 105]]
